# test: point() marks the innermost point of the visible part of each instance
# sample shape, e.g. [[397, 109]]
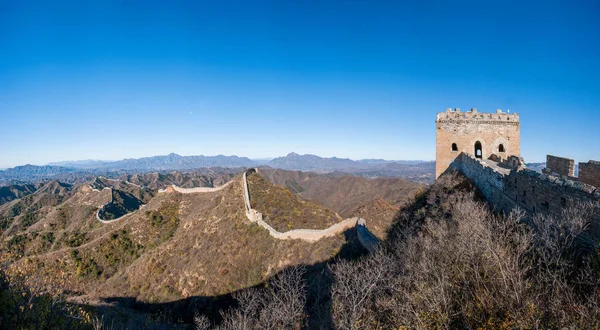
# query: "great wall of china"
[[485, 147], [173, 187], [366, 238], [103, 207], [508, 185]]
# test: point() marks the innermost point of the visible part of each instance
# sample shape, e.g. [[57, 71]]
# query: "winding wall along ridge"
[[368, 241], [168, 189], [366, 238], [193, 190], [103, 206], [124, 181]]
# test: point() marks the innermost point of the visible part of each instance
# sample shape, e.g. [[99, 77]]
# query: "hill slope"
[[376, 200], [285, 211], [178, 245], [12, 192]]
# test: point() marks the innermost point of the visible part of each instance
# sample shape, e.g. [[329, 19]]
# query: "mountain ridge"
[[74, 171]]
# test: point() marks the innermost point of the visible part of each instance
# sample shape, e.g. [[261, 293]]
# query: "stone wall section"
[[531, 191], [173, 188], [310, 235], [590, 173], [103, 207], [366, 238], [560, 165]]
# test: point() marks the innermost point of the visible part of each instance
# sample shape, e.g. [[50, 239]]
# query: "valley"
[[147, 238]]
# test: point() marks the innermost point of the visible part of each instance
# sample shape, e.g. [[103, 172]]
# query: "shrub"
[[86, 267], [76, 239], [280, 305], [165, 220], [28, 219], [121, 249], [454, 264], [26, 305], [450, 262]]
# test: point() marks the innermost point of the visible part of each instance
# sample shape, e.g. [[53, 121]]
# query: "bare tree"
[[202, 322], [356, 287], [278, 306]]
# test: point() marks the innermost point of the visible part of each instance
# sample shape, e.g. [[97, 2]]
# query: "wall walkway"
[[368, 241], [366, 238], [506, 188], [193, 190], [103, 206]]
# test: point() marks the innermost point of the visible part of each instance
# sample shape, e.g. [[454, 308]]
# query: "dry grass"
[[285, 211], [452, 264]]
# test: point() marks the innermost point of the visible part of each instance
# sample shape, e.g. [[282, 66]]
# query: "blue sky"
[[357, 79]]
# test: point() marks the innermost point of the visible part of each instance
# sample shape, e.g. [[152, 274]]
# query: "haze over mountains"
[[156, 163], [292, 161], [71, 171]]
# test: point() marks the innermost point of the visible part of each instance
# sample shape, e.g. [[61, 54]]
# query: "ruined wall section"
[[538, 192], [531, 191], [498, 133], [560, 165], [590, 173]]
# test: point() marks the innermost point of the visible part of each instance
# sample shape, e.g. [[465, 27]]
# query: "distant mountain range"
[[34, 172], [175, 162], [292, 161], [159, 163]]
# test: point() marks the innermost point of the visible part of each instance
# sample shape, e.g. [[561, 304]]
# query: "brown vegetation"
[[376, 200], [451, 263], [285, 211], [177, 246], [447, 262]]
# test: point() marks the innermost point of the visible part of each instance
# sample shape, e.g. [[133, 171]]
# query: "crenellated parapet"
[[590, 173], [473, 116], [507, 188], [483, 135]]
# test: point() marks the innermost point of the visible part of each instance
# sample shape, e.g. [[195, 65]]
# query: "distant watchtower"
[[479, 134]]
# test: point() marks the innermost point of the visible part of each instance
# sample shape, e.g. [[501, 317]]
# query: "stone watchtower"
[[479, 134]]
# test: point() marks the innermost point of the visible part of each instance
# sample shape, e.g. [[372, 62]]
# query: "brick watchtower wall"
[[560, 165], [488, 133], [590, 173]]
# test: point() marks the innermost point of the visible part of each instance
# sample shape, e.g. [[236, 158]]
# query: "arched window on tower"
[[478, 151], [501, 148], [454, 147]]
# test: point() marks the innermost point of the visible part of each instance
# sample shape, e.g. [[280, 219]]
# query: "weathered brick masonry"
[[590, 173], [479, 134], [486, 149], [533, 192], [560, 165]]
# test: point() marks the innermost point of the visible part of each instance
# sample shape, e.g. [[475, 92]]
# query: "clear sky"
[[357, 79]]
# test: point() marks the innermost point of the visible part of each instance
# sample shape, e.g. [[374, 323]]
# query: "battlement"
[[560, 166], [507, 188], [473, 116], [589, 172]]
